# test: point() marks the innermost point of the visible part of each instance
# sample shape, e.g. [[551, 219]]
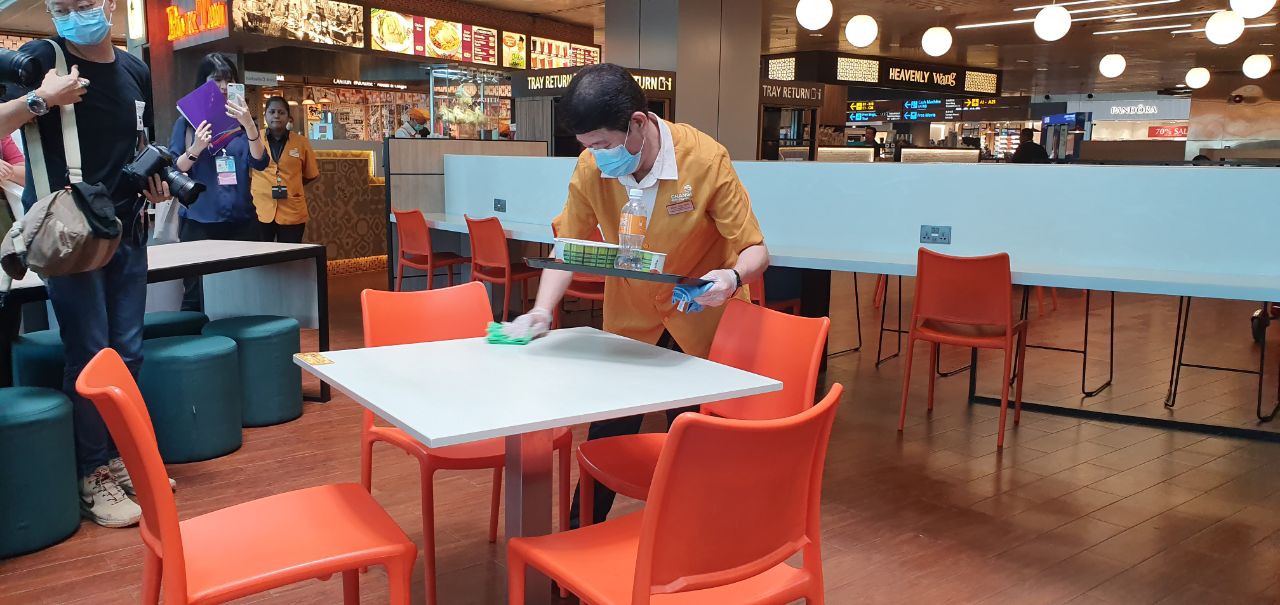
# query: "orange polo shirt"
[[702, 220], [296, 162]]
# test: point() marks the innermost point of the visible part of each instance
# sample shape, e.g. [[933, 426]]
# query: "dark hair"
[[1027, 133], [871, 128], [277, 99], [217, 66], [601, 96]]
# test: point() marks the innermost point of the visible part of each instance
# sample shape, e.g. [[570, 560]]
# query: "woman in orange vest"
[[699, 215], [279, 190]]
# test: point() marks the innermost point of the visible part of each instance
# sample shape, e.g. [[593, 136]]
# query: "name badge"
[[294, 153], [681, 202], [226, 166], [139, 108]]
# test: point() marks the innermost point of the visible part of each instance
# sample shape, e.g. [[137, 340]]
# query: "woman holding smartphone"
[[278, 191], [225, 210]]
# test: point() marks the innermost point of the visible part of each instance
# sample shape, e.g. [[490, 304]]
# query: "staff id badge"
[[226, 166]]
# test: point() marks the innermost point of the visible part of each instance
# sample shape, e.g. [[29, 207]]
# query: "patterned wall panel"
[[347, 207]]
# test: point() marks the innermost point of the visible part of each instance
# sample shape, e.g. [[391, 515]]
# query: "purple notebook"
[[208, 104]]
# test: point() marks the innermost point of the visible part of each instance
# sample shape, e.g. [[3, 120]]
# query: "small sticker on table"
[[314, 359]]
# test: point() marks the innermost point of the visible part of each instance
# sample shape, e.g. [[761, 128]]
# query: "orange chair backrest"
[[787, 348], [396, 318], [975, 290], [412, 232], [755, 290], [732, 499], [107, 383], [488, 242]]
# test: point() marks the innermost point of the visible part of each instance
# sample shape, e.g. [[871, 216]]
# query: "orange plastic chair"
[[394, 318], [784, 347], [966, 302], [755, 289], [414, 237], [248, 548], [491, 261], [732, 501]]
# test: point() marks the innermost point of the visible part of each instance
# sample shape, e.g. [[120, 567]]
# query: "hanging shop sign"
[[1134, 110], [882, 72], [778, 93], [1167, 132], [261, 78], [194, 22], [316, 21], [554, 82]]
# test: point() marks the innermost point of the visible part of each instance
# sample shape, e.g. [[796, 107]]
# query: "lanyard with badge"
[[226, 166], [279, 191]]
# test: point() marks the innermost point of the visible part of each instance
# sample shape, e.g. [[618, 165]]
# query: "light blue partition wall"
[[1059, 219]]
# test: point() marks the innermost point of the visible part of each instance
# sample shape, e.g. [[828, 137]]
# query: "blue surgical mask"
[[84, 28], [617, 161]]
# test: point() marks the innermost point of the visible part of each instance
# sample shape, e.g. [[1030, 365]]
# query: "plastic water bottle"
[[631, 230]]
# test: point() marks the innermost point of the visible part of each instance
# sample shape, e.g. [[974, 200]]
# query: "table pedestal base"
[[528, 486]]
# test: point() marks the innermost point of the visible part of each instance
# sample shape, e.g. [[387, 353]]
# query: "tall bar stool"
[[414, 238], [966, 302], [491, 261]]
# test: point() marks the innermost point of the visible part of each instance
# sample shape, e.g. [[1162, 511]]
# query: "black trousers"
[[284, 234], [190, 231], [615, 427]]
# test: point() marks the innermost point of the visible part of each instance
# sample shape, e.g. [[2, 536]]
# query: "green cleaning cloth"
[[497, 337]]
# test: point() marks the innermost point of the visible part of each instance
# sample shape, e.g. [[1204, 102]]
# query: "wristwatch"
[[193, 157], [737, 280], [36, 105]]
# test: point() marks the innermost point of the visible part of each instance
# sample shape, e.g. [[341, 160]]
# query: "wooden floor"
[[1069, 512]]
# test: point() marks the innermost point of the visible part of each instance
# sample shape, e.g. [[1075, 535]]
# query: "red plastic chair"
[[755, 290], [491, 261], [732, 501], [414, 237], [248, 548], [584, 286], [784, 347], [966, 302], [394, 318]]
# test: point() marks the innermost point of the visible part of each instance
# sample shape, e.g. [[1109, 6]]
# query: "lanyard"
[[276, 157]]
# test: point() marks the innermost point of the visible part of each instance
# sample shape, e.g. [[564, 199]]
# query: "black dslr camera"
[[153, 160], [20, 68]]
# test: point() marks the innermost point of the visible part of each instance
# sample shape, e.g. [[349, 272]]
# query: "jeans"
[[284, 234], [190, 231], [96, 310]]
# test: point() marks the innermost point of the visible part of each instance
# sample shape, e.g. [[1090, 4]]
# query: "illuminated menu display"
[[585, 55], [515, 54], [426, 37], [940, 110], [545, 53], [313, 21]]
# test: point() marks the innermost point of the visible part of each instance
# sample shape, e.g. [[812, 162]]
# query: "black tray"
[[666, 278]]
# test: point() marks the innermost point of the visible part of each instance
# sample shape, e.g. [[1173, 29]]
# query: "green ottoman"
[[39, 495], [271, 383], [192, 388], [38, 360], [162, 324]]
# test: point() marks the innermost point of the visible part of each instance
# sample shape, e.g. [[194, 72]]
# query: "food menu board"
[[585, 55], [514, 52], [545, 53], [315, 21], [479, 45], [425, 37]]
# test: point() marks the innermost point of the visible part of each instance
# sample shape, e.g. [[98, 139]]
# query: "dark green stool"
[[162, 324], [39, 495], [38, 359], [272, 384], [192, 388]]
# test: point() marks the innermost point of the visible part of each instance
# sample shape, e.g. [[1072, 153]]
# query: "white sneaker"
[[121, 475], [102, 500]]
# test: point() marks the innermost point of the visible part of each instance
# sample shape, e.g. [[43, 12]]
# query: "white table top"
[[452, 392]]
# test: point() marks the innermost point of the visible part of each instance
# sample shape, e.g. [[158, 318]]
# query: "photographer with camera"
[[225, 210], [110, 91]]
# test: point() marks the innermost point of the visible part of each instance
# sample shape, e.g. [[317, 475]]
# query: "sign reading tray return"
[[554, 82]]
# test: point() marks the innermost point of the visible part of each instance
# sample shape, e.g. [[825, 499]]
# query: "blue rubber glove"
[[683, 297]]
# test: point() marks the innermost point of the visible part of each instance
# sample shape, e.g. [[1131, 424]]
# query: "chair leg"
[[906, 381], [933, 375], [882, 284], [366, 464], [400, 277], [449, 271], [586, 498], [495, 502], [1022, 377], [429, 533], [151, 573], [506, 300], [351, 587], [1004, 393], [566, 496], [515, 578], [399, 575]]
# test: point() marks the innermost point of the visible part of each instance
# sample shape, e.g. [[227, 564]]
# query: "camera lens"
[[181, 186], [19, 68]]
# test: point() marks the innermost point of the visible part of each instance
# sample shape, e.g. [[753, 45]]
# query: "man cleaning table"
[[699, 214]]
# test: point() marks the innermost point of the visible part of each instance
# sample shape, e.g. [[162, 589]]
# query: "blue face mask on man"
[[84, 28], [618, 161]]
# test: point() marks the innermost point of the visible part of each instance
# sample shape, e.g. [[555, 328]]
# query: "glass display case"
[[469, 103]]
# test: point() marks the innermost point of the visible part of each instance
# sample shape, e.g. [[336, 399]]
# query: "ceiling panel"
[[579, 12]]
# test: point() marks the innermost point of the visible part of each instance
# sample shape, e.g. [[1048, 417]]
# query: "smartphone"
[[235, 93]]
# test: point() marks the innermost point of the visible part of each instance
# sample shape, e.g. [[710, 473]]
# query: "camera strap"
[[70, 139]]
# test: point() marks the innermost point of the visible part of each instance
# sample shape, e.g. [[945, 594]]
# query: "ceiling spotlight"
[[1197, 77], [814, 14], [936, 41], [1111, 66], [861, 31], [1224, 27], [1252, 9], [1257, 66], [1052, 23]]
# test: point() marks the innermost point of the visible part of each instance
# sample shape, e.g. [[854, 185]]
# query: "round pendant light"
[[1197, 77], [1111, 66], [1252, 9], [814, 14], [936, 41], [1224, 27], [1257, 66], [1052, 23], [861, 31]]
